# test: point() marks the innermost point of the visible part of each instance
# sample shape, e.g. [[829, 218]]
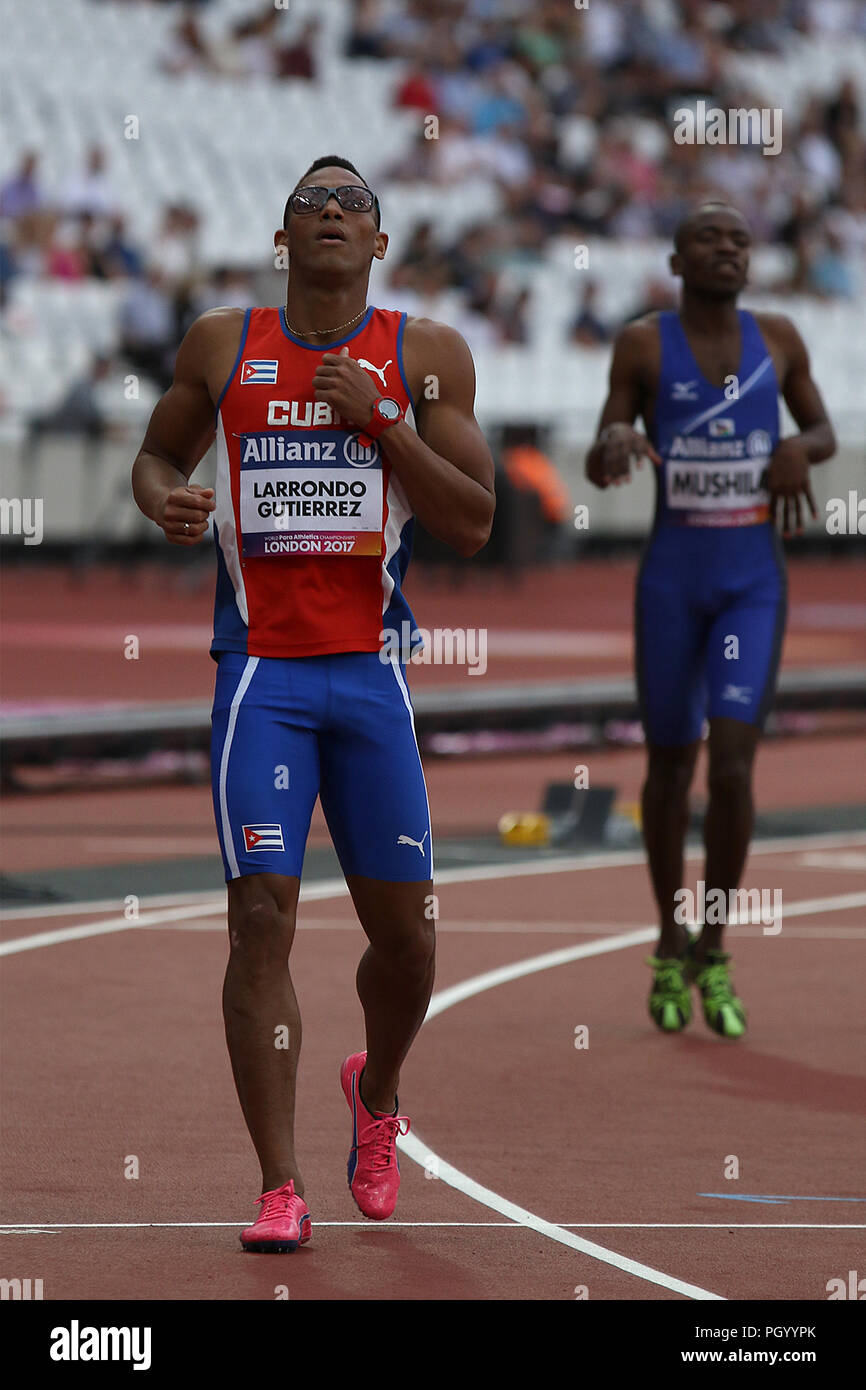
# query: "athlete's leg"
[[395, 978], [670, 637], [743, 652], [375, 802], [665, 818], [262, 1021], [730, 816], [265, 780]]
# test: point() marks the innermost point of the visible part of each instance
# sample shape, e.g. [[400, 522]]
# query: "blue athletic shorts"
[[340, 727], [709, 622]]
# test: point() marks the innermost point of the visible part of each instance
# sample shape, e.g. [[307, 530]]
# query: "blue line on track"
[[775, 1201]]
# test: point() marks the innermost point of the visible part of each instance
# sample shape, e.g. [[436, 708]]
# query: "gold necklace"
[[320, 332]]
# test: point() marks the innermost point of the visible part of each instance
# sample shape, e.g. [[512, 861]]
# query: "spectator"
[[416, 92], [512, 318], [118, 257], [90, 191], [421, 250], [81, 409], [818, 156], [529, 470], [830, 275], [188, 49], [368, 36], [148, 327], [20, 193], [658, 295], [254, 44], [67, 256], [228, 286], [589, 329], [174, 249], [498, 104], [298, 59]]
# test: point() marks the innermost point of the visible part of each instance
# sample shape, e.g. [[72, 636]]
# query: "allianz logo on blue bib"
[[336, 448]]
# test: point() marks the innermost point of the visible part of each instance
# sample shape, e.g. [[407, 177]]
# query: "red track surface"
[[114, 1044], [66, 639], [114, 1048]]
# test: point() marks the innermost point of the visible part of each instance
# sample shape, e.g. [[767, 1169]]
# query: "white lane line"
[[414, 1147], [22, 914], [805, 907], [52, 1227], [854, 862], [184, 919], [336, 887], [518, 929], [101, 928], [411, 1144]]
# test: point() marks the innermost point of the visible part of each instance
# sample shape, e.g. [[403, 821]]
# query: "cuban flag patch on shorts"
[[263, 837], [259, 371]]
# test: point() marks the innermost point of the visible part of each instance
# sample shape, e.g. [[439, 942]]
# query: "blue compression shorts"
[[709, 622], [340, 727]]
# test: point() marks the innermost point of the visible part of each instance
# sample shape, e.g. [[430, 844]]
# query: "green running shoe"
[[670, 1003], [723, 1011]]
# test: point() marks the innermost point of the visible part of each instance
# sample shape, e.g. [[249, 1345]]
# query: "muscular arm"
[[802, 396], [609, 459], [446, 468], [178, 436], [788, 473]]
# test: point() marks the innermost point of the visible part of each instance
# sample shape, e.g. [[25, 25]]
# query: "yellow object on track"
[[524, 828]]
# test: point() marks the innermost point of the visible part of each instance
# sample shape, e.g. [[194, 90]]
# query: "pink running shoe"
[[282, 1224], [373, 1169]]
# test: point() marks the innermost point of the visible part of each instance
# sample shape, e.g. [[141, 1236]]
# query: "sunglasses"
[[350, 196]]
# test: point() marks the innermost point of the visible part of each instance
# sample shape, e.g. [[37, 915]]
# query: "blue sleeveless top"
[[715, 443]]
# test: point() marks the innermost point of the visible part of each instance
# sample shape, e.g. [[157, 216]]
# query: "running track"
[[534, 1169], [114, 1048]]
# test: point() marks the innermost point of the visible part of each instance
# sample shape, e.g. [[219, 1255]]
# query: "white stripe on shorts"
[[408, 703], [243, 686]]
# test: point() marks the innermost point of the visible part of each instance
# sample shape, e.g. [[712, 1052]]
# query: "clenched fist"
[[184, 514], [346, 387]]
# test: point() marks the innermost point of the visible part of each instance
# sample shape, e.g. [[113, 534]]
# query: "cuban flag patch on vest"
[[259, 371]]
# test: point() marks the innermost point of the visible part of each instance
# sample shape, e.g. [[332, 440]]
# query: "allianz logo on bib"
[[756, 444], [326, 447]]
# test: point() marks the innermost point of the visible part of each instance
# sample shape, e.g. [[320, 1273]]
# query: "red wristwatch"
[[386, 412]]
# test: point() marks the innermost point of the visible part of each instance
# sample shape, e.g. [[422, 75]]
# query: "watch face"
[[388, 409]]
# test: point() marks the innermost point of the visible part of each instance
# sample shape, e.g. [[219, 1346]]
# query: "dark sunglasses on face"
[[351, 198]]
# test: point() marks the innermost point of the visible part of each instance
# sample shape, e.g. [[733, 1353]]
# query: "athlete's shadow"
[[381, 1264], [739, 1070]]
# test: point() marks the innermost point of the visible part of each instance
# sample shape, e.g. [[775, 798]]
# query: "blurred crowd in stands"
[[528, 95], [547, 108]]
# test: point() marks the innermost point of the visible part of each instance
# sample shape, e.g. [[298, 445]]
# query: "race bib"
[[729, 493], [303, 494]]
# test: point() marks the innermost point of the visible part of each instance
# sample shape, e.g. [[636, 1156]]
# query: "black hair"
[[329, 161], [685, 226]]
